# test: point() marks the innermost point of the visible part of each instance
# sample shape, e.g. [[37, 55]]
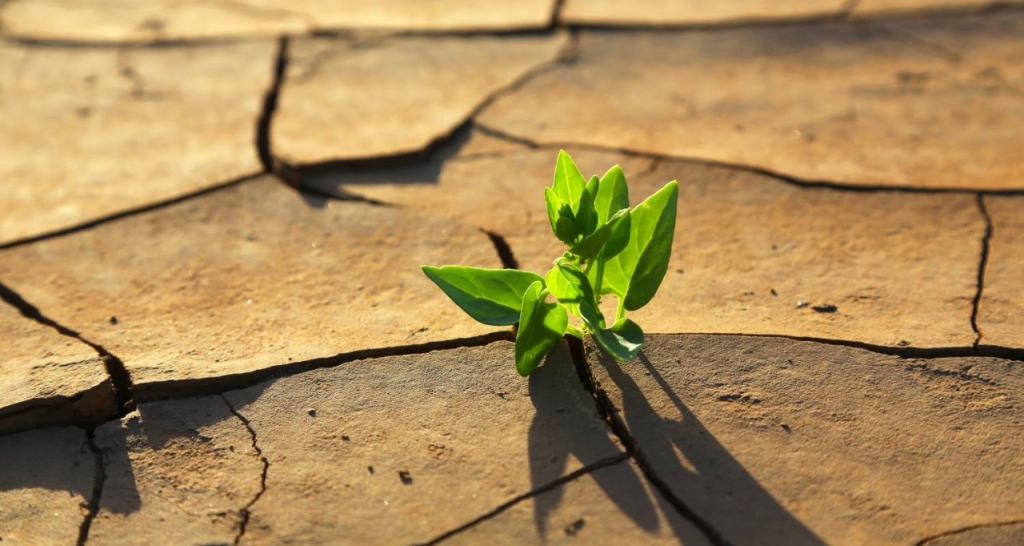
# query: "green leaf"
[[568, 284], [554, 205], [636, 273], [569, 182], [586, 216], [591, 316], [623, 340], [541, 326], [612, 194], [566, 230], [491, 296], [595, 243]]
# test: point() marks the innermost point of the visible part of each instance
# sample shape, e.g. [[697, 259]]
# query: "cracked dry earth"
[[215, 330]]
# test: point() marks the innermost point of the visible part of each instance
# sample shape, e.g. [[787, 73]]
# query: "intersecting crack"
[[607, 410], [99, 479], [986, 243], [246, 510], [572, 476], [120, 380], [967, 529]]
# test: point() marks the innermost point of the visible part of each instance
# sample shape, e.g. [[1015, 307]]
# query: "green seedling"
[[612, 251]]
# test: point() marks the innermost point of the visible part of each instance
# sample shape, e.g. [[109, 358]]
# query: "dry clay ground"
[[215, 330]]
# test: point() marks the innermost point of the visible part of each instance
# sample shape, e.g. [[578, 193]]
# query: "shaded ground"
[[213, 214]]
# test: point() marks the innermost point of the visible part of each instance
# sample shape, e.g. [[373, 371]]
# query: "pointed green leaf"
[[568, 284], [596, 242], [491, 296], [636, 273], [541, 326], [622, 341], [554, 205], [569, 182], [586, 216], [612, 194]]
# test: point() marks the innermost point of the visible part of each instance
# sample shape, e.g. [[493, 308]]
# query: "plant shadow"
[[566, 426], [713, 483]]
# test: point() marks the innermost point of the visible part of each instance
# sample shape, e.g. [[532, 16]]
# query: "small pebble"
[[405, 477], [825, 308], [311, 412], [801, 304], [113, 320]]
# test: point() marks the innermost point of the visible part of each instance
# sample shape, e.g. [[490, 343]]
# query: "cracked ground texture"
[[212, 217]]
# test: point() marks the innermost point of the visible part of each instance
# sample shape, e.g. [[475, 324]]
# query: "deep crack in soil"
[[270, 106], [99, 480], [119, 378], [986, 243], [245, 512], [607, 410]]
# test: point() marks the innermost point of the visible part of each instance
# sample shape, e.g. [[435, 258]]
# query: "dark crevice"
[[270, 106], [100, 478], [604, 463], [508, 260], [1007, 353], [496, 133], [606, 408], [119, 378], [967, 529], [986, 243], [825, 184], [128, 212], [556, 13], [189, 388], [245, 512]]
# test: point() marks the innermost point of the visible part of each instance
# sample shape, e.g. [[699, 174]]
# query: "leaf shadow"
[[565, 426], [714, 485]]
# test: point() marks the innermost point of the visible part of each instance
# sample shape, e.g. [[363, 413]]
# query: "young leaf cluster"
[[612, 250]]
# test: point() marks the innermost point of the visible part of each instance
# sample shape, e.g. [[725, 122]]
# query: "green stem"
[[600, 277], [621, 312]]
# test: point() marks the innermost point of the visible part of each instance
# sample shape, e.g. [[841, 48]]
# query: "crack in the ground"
[[119, 378], [441, 146], [191, 388], [986, 244], [270, 106], [246, 510], [907, 352], [156, 205], [607, 410], [802, 183], [556, 14], [905, 36], [967, 529], [504, 250], [93, 505], [572, 476]]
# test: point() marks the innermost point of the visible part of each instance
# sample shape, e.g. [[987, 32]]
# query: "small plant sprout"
[[612, 251]]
